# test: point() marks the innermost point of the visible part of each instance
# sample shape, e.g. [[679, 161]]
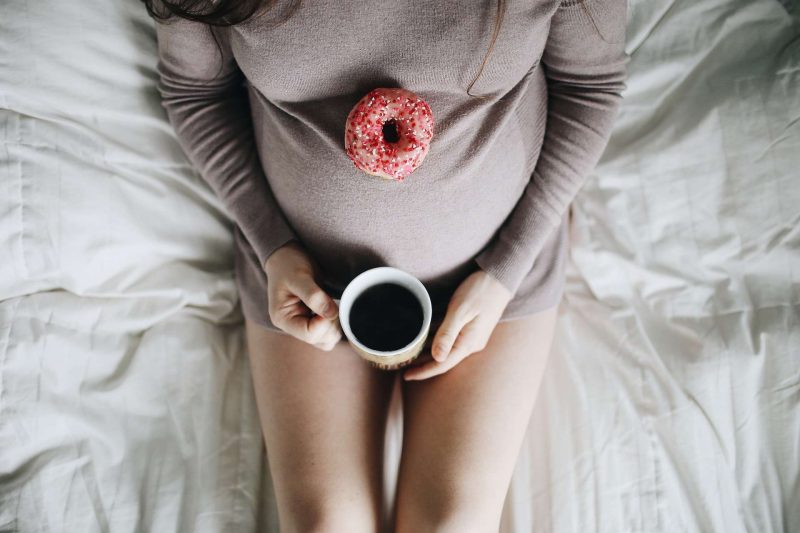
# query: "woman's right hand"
[[297, 304]]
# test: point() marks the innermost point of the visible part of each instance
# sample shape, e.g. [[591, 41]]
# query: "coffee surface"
[[386, 317]]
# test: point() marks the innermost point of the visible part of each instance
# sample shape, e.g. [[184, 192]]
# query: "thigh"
[[463, 430], [323, 416]]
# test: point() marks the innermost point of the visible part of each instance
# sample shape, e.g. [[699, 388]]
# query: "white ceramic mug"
[[386, 360]]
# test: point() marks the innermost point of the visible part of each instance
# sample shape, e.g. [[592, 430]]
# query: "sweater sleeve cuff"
[[265, 244], [508, 257]]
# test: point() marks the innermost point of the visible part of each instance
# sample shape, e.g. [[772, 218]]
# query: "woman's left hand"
[[471, 316]]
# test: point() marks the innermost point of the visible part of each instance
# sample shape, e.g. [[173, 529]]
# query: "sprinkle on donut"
[[388, 133]]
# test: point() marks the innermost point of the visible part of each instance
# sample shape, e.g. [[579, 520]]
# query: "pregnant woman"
[[523, 95]]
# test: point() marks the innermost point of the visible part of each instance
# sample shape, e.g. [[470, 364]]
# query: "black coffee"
[[386, 317]]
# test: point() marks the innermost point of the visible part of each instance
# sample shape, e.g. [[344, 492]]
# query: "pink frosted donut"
[[388, 132]]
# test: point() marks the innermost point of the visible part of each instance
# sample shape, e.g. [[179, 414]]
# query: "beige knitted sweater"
[[264, 121]]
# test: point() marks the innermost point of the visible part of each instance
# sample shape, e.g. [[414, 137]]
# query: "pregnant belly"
[[431, 224]]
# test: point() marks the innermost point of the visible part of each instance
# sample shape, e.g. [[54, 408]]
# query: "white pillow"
[[96, 196]]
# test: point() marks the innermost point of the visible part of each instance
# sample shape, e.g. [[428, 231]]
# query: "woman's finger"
[[305, 328], [455, 319], [331, 338], [313, 296], [429, 369], [319, 328], [463, 347], [432, 368]]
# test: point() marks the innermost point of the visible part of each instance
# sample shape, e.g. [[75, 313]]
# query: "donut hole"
[[390, 132]]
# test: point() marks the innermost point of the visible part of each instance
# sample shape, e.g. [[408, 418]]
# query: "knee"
[[329, 524], [333, 517], [454, 523], [465, 516]]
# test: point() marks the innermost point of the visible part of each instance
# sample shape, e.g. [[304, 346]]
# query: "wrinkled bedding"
[[671, 401]]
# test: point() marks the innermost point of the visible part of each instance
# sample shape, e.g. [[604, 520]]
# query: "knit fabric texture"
[[260, 110]]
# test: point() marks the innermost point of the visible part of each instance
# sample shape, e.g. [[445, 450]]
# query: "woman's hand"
[[472, 313], [297, 304]]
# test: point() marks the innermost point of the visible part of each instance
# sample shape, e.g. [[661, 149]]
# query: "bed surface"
[[671, 401]]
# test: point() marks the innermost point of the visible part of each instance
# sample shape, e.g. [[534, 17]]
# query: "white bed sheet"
[[671, 400], [125, 400]]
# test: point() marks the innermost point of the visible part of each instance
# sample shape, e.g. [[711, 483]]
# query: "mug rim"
[[427, 308]]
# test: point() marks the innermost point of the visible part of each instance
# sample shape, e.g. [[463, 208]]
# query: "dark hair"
[[231, 12]]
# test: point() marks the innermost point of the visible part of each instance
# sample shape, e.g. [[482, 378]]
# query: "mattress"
[[671, 401]]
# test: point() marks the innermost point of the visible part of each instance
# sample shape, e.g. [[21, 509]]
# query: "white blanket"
[[672, 399]]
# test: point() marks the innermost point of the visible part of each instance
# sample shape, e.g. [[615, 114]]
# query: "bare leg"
[[463, 431], [323, 415]]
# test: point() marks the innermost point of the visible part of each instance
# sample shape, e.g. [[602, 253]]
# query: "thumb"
[[313, 296], [447, 333]]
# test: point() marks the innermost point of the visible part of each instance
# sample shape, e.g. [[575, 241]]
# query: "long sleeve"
[[585, 66], [202, 90]]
